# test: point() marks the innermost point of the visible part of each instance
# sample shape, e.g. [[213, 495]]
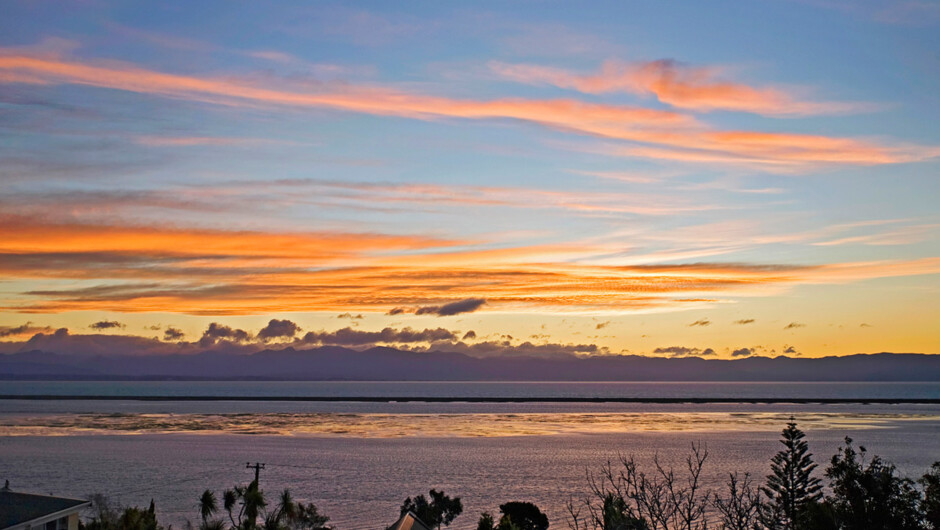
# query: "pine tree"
[[790, 487]]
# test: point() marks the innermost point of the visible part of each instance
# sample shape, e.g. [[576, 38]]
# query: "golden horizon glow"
[[604, 182]]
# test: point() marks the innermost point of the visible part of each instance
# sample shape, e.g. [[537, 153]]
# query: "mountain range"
[[384, 363]]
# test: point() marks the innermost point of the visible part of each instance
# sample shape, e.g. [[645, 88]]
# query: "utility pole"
[[257, 467]]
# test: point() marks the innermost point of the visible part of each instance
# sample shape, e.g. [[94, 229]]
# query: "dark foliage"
[[524, 515], [791, 486], [247, 509], [486, 522], [872, 496], [105, 516], [616, 515], [863, 494], [440, 510], [625, 497], [930, 506]]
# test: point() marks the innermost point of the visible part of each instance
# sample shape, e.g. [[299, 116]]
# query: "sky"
[[721, 179]]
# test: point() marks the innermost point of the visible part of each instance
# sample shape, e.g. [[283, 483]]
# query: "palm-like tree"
[[245, 505], [207, 506]]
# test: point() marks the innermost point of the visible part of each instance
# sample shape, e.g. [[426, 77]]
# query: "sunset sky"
[[687, 178]]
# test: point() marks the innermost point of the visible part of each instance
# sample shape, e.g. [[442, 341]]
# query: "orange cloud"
[[558, 113], [26, 235], [663, 134], [125, 268], [685, 87]]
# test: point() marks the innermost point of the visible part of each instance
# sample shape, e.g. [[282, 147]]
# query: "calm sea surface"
[[448, 389], [358, 461]]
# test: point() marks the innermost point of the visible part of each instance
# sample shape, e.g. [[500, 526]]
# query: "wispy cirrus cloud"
[[699, 89], [903, 235], [412, 195], [272, 199], [661, 134]]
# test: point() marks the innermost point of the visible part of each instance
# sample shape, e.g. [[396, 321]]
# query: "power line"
[[299, 466], [162, 484]]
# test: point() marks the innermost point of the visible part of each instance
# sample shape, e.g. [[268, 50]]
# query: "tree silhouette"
[[486, 522], [106, 517], [616, 514], [740, 508], [870, 497], [524, 515], [208, 506], [791, 486], [440, 510], [931, 503], [629, 498], [246, 505]]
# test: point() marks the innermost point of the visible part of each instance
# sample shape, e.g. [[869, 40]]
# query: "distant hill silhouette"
[[382, 363]]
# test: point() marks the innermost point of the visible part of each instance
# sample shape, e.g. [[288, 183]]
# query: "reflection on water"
[[357, 461], [435, 425]]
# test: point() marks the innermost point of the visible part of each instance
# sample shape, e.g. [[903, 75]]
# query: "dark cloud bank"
[[279, 351], [468, 305], [106, 324]]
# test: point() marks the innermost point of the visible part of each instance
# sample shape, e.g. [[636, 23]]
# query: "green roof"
[[17, 508]]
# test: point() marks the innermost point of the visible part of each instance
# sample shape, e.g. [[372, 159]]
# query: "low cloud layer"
[[279, 329], [506, 348], [354, 337], [216, 332], [26, 329], [682, 351], [172, 334]]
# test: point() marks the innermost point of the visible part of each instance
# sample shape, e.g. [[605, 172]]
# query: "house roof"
[[409, 521], [18, 508]]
